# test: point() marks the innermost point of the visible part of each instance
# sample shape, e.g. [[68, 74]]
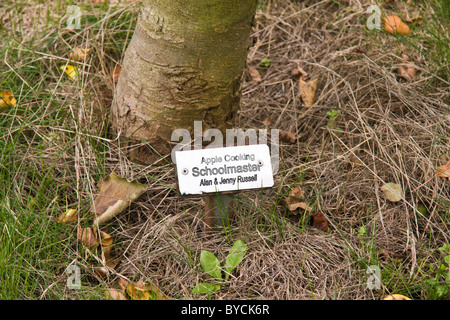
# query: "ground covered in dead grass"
[[384, 129]]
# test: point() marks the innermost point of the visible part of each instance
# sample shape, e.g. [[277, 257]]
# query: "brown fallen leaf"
[[307, 88], [7, 99], [104, 271], [319, 221], [118, 294], [80, 54], [87, 238], [113, 262], [297, 192], [406, 70], [116, 72], [115, 294], [286, 136], [293, 200], [298, 73], [254, 73], [106, 242], [115, 195], [68, 216], [123, 283], [444, 170], [307, 91], [101, 272], [293, 206]]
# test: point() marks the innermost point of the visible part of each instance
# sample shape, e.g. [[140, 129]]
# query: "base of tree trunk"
[[185, 63], [146, 153]]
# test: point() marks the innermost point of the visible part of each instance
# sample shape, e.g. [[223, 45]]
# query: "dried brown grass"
[[391, 131]]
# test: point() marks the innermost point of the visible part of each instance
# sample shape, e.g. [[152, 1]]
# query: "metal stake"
[[219, 210]]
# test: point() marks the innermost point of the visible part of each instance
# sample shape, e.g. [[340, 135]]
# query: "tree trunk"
[[184, 63]]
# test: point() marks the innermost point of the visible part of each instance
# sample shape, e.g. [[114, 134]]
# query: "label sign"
[[224, 169]]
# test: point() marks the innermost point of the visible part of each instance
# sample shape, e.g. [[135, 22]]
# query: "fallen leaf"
[[205, 287], [396, 296], [101, 272], [392, 191], [235, 256], [112, 263], [293, 201], [254, 73], [106, 242], [265, 63], [88, 238], [319, 221], [123, 283], [7, 99], [393, 24], [286, 136], [307, 91], [302, 205], [444, 170], [68, 216], [298, 73], [71, 71], [422, 209], [80, 54], [297, 192], [116, 72], [144, 291], [115, 195], [115, 294], [156, 292], [406, 70], [210, 264]]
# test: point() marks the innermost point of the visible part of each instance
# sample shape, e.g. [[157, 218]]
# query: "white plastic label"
[[224, 169]]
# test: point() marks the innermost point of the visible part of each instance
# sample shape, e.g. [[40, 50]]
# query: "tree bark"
[[184, 63]]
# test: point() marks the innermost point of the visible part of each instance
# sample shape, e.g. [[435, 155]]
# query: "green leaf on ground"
[[205, 287], [211, 264], [265, 63], [235, 257]]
